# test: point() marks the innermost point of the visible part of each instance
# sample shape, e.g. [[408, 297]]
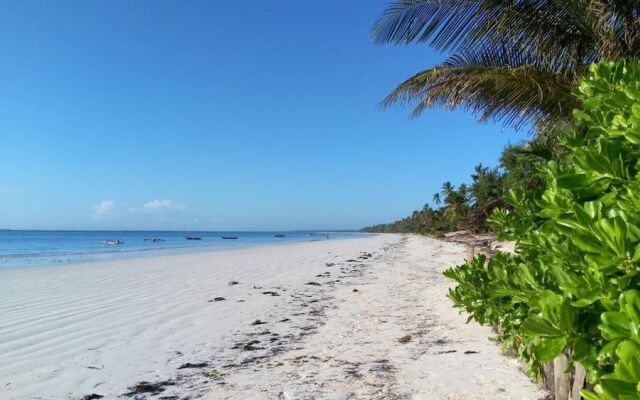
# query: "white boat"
[[116, 241]]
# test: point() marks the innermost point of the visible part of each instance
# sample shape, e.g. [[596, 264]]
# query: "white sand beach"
[[317, 320]]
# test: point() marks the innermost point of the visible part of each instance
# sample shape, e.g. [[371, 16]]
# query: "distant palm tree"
[[488, 184], [437, 199], [464, 192], [447, 189], [514, 61]]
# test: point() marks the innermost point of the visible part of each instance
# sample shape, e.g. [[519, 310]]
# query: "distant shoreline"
[[181, 230], [46, 248]]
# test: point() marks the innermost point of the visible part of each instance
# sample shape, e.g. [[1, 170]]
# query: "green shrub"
[[573, 285]]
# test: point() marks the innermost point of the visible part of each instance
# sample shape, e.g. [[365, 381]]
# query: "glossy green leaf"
[[589, 395], [630, 304], [549, 348], [615, 325], [535, 325], [617, 388]]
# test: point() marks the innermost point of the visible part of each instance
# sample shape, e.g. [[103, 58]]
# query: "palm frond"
[[453, 24], [500, 84], [514, 61], [618, 25], [406, 21]]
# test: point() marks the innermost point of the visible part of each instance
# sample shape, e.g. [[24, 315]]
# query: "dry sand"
[[316, 320]]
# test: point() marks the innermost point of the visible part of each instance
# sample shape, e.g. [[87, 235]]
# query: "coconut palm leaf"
[[437, 199], [495, 84], [450, 24], [447, 189], [515, 61]]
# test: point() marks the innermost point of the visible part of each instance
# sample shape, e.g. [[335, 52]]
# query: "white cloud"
[[162, 205], [157, 209], [104, 207]]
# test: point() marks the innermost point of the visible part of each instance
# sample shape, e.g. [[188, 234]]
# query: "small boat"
[[279, 235], [116, 241], [153, 240], [194, 238], [229, 237]]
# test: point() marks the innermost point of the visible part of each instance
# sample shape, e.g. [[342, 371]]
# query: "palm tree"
[[437, 199], [457, 201], [447, 189], [513, 61], [488, 184], [464, 192]]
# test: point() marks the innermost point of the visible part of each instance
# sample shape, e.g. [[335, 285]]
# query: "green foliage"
[[519, 161], [456, 206], [487, 185], [468, 207], [515, 61], [428, 221], [572, 286]]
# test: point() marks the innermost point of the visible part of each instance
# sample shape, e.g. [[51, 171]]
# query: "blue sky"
[[216, 115]]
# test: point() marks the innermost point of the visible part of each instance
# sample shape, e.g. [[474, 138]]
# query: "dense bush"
[[573, 285]]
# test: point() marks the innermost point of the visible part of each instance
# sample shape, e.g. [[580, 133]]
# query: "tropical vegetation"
[[570, 197], [573, 285], [514, 61], [463, 207]]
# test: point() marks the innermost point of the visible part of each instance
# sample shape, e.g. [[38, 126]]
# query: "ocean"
[[31, 248]]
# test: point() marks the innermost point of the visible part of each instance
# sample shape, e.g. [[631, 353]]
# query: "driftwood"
[[563, 383], [476, 221], [561, 379]]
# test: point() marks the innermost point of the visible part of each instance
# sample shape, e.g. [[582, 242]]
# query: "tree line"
[[570, 197], [517, 62], [468, 205]]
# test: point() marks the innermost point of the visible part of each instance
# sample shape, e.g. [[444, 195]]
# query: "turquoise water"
[[30, 248]]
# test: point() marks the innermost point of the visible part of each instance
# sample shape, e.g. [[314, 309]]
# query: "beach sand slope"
[[363, 318], [67, 331], [388, 332]]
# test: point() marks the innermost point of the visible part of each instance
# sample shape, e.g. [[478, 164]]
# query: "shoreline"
[[124, 255], [305, 319], [65, 329]]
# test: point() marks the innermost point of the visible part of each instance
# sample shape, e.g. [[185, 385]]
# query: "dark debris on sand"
[[251, 346], [404, 339], [148, 387], [193, 365], [252, 352], [216, 299], [92, 396]]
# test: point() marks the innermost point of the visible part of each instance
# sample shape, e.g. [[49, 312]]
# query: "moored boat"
[[113, 241]]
